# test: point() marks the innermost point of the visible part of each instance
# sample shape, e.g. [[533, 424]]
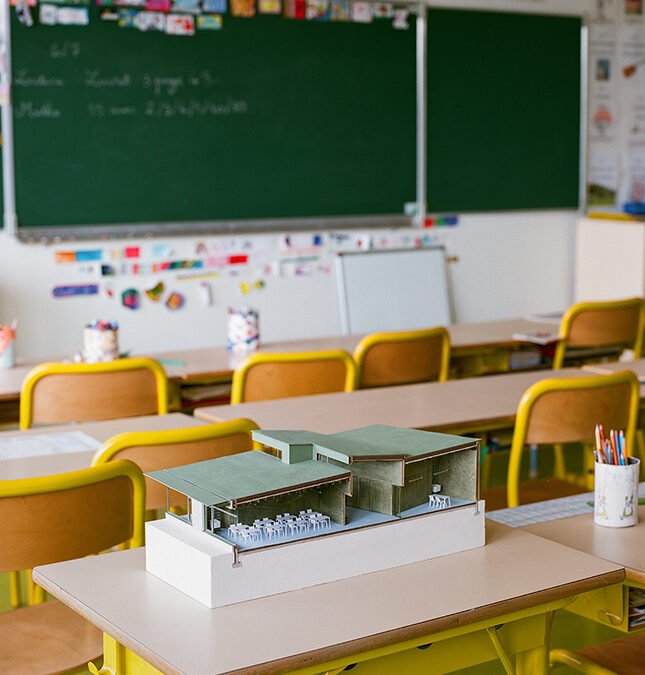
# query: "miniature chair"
[[625, 656], [404, 357], [555, 411], [154, 450], [618, 324], [56, 393], [267, 376], [54, 518]]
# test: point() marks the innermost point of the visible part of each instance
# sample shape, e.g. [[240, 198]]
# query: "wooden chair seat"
[[46, 639], [625, 656], [531, 492]]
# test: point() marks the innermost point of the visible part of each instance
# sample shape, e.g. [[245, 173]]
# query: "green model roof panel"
[[245, 475], [380, 441]]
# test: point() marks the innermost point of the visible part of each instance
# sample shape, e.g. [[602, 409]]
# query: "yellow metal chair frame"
[[241, 373], [74, 479], [118, 366], [119, 445], [580, 384], [629, 333], [369, 342]]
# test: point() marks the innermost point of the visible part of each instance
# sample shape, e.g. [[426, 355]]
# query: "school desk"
[[44, 465], [637, 367], [434, 616], [476, 348], [624, 546], [468, 405]]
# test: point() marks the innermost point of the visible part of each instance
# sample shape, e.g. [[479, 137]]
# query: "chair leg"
[[15, 589], [639, 449], [559, 467]]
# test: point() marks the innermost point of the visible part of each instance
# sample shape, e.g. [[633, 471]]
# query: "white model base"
[[203, 567]]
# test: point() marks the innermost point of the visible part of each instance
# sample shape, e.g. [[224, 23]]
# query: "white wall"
[[509, 264]]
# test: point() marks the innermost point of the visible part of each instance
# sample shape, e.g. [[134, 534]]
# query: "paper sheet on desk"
[[17, 447]]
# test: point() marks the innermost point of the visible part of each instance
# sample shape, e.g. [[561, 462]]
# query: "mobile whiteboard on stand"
[[402, 289]]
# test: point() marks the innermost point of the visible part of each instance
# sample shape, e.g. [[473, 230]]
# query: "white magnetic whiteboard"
[[393, 290]]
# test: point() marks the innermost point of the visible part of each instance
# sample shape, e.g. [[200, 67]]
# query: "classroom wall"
[[509, 264]]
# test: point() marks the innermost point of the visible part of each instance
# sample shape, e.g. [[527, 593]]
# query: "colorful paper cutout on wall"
[[75, 289], [175, 301], [156, 292], [340, 10], [295, 9], [146, 21], [130, 298], [362, 12], [317, 10], [180, 24], [209, 22], [214, 6], [188, 6], [269, 6], [243, 8]]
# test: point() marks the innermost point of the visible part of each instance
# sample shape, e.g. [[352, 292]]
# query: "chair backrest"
[[57, 393], [282, 375], [617, 323], [566, 410], [154, 450], [403, 357], [70, 515]]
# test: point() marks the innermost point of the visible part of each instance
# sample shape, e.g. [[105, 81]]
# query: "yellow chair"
[[267, 376], [556, 411], [154, 450], [625, 656], [384, 359], [55, 393], [618, 324], [53, 518]]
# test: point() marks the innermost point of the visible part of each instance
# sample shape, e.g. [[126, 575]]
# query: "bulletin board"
[[267, 118]]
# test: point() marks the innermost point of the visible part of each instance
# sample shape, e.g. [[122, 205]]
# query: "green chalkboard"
[[267, 118], [503, 111]]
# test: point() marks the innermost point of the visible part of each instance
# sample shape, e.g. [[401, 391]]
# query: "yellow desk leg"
[[117, 660]]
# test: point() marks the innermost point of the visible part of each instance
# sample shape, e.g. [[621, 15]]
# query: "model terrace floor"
[[356, 518]]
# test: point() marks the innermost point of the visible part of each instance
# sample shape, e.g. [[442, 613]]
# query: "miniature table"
[[438, 615], [476, 348], [44, 465], [461, 406]]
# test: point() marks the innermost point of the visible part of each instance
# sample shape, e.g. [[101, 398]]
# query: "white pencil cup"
[[7, 358], [616, 494]]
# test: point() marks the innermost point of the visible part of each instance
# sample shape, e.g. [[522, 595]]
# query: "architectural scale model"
[[327, 507]]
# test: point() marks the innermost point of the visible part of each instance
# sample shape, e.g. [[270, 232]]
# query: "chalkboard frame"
[[550, 7]]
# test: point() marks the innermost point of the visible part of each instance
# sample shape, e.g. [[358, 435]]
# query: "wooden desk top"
[[637, 367], [177, 634], [622, 545], [215, 362], [461, 405], [44, 465]]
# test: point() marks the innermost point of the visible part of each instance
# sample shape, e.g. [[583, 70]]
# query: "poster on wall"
[[616, 107]]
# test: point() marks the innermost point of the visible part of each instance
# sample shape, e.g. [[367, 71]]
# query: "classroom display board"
[[393, 290], [265, 119], [503, 111]]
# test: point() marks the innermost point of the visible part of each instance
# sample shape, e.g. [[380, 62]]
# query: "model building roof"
[[245, 476], [377, 442]]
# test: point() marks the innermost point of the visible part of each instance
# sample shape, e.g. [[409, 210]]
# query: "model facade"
[[326, 507]]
